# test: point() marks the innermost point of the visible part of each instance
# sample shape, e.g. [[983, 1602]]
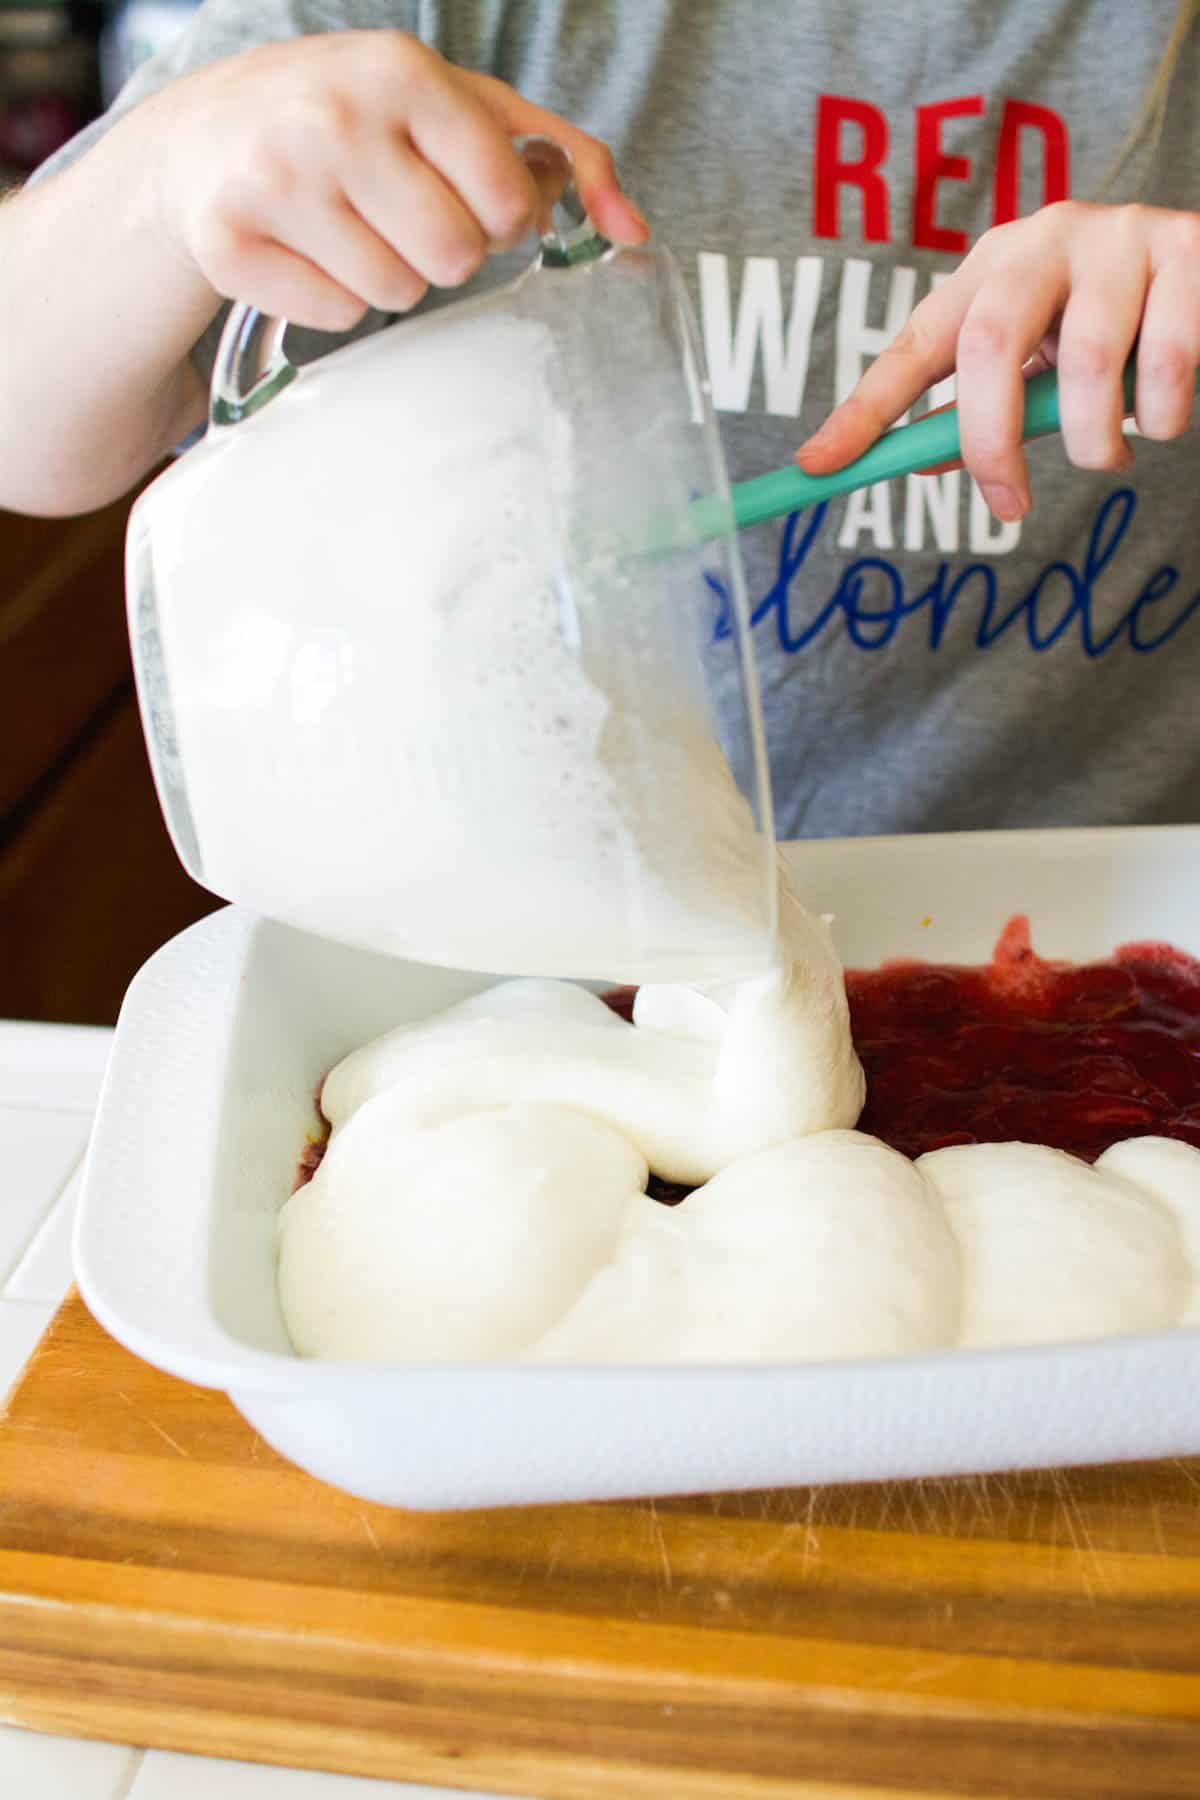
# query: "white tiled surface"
[[22, 1323], [40, 1151], [166, 1777], [49, 1083], [52, 1066], [43, 1272], [33, 1766]]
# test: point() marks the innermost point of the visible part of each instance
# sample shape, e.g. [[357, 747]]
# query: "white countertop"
[[49, 1081]]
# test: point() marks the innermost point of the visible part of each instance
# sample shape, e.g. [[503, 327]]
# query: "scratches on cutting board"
[[1089, 1564], [147, 1420], [661, 1540], [812, 1535], [917, 1674], [1189, 1475]]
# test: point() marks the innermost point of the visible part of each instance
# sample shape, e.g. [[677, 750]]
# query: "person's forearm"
[[313, 178], [98, 313]]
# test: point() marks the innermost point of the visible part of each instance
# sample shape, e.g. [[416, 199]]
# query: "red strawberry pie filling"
[[524, 1125], [1071, 1055]]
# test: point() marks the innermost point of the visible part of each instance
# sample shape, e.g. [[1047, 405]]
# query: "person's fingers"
[[920, 354], [1043, 358], [608, 206], [244, 265], [1168, 350], [1099, 324], [1036, 364], [403, 200], [1003, 327], [326, 230], [454, 129]]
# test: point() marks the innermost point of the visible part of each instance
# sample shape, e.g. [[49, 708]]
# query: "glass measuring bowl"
[[423, 633]]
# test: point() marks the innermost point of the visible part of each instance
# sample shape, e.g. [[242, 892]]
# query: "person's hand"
[[317, 177], [1074, 285]]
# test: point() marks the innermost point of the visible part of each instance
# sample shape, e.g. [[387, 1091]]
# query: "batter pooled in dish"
[[439, 1125], [830, 1245], [483, 1194], [701, 1077], [465, 1239]]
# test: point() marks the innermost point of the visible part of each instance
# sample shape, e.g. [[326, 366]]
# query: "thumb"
[[607, 204]]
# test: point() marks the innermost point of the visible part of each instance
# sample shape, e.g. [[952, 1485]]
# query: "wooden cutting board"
[[166, 1579]]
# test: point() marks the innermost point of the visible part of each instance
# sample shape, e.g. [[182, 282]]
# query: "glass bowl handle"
[[252, 365], [566, 234]]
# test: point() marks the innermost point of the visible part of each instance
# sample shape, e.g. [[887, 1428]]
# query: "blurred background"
[[89, 884]]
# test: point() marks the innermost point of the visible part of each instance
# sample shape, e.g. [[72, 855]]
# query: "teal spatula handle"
[[902, 451]]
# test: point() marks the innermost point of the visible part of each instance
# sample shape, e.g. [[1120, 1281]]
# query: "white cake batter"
[[498, 755], [827, 1246], [461, 724], [464, 1240], [462, 1211]]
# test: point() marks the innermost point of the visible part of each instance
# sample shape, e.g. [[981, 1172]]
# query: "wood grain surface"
[[166, 1579]]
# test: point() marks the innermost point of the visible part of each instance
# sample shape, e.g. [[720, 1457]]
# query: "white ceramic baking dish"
[[208, 1099]]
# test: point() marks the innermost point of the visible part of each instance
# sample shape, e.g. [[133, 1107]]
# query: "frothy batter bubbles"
[[466, 719]]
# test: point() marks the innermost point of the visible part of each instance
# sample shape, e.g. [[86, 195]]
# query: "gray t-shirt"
[[814, 167]]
